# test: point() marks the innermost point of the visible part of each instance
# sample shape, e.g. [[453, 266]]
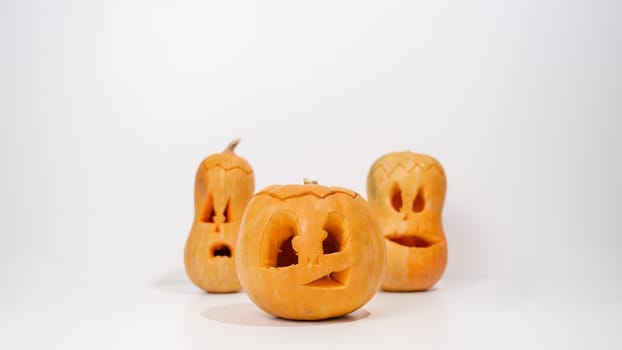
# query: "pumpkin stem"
[[309, 182], [232, 146]]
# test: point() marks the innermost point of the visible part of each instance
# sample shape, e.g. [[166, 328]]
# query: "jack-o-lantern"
[[309, 252], [407, 191], [224, 184]]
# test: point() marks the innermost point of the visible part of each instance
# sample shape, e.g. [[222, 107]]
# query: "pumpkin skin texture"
[[309, 252], [224, 184], [407, 191]]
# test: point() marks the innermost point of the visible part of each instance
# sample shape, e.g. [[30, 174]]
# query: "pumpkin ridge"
[[306, 193], [407, 170], [218, 165]]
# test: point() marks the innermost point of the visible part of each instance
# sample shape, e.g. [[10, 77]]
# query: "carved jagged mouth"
[[411, 241], [221, 251], [334, 279]]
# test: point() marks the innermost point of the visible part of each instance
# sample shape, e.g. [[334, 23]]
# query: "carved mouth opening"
[[411, 241], [334, 279], [221, 250]]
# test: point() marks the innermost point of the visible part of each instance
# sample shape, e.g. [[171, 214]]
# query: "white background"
[[107, 108]]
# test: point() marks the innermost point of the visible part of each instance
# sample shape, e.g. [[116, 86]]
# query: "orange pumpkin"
[[407, 191], [223, 186], [309, 252]]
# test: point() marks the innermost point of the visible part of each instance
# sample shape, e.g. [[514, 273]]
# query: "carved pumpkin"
[[309, 252], [224, 184], [407, 191]]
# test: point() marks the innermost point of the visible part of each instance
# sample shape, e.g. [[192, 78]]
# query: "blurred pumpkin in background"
[[224, 184], [407, 191]]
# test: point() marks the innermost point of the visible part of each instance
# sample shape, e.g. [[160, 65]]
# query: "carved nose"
[[402, 227], [307, 254]]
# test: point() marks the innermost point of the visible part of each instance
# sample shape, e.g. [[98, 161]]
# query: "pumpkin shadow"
[[247, 314], [176, 282], [424, 291]]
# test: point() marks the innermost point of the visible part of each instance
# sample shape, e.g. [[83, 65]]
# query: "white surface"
[[459, 314], [107, 108]]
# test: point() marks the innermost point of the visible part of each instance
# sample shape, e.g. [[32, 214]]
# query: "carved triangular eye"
[[228, 211], [419, 202], [334, 226], [277, 248], [207, 214], [396, 197]]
